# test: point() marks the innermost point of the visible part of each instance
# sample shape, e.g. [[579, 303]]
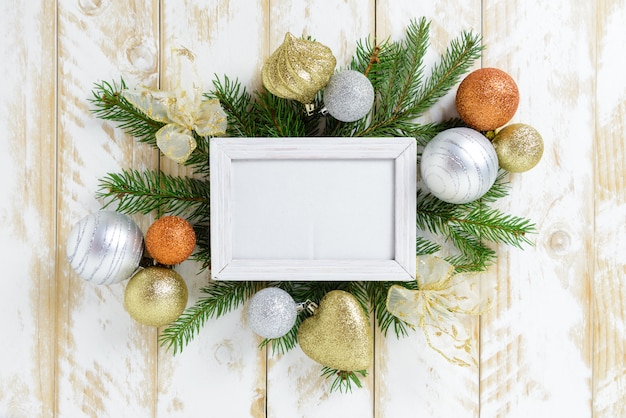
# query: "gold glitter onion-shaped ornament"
[[298, 69]]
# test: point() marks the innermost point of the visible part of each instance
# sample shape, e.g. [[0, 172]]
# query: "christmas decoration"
[[434, 307], [170, 240], [183, 111], [459, 165], [271, 312], [298, 69], [105, 247], [338, 335], [349, 96], [155, 296], [519, 147], [487, 99], [404, 90]]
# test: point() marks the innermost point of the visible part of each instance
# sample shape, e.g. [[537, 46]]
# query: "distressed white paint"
[[331, 178]]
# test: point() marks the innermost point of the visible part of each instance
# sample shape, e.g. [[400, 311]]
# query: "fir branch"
[[398, 79], [136, 191], [202, 254], [288, 341], [424, 246], [109, 104], [456, 61], [343, 380], [278, 117], [237, 103], [377, 294], [222, 297]]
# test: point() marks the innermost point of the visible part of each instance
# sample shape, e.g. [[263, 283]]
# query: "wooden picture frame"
[[311, 209]]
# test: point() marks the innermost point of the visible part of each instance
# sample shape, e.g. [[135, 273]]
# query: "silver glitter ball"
[[459, 165], [348, 96], [271, 312], [105, 247]]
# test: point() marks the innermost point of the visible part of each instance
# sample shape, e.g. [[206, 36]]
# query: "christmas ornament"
[[298, 69], [519, 147], [349, 96], [105, 247], [170, 240], [183, 110], [459, 165], [434, 308], [487, 99], [338, 335], [155, 296], [271, 312]]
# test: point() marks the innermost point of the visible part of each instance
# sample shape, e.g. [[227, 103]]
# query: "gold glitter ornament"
[[155, 296], [487, 99], [298, 69], [338, 335], [519, 147]]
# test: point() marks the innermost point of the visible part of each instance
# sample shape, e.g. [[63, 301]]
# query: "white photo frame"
[[314, 209]]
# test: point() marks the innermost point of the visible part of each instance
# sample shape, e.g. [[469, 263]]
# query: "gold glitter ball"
[[170, 240], [298, 69], [487, 99], [338, 335], [155, 296], [519, 147]]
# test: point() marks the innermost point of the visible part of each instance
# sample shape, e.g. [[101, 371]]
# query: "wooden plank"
[[28, 208], [222, 371], [609, 315], [294, 385], [410, 376], [535, 342], [106, 363]]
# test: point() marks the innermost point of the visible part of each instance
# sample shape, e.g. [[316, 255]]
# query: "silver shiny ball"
[[105, 247], [348, 96], [271, 312], [459, 165]]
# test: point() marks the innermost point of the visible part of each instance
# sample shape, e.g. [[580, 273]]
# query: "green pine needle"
[[221, 298], [343, 380], [134, 191], [109, 104]]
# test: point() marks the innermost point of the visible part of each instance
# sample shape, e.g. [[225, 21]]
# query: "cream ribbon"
[[442, 295], [183, 110]]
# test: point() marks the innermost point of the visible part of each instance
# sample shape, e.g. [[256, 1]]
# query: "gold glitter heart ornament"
[[298, 69], [338, 335]]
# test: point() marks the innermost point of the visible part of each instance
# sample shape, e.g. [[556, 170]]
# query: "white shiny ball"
[[348, 96], [271, 312], [459, 165], [105, 247]]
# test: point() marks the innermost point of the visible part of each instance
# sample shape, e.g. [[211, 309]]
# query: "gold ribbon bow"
[[441, 296], [183, 110]]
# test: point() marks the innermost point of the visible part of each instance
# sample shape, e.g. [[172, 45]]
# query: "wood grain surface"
[[553, 343]]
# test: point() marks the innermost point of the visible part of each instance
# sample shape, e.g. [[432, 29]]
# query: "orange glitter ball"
[[487, 99], [170, 240]]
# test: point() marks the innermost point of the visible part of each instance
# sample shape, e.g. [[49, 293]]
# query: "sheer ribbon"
[[435, 308]]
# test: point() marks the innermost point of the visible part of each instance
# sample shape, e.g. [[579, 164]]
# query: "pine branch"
[[424, 246], [110, 105], [237, 103], [136, 191], [278, 117], [343, 380], [377, 294], [222, 297], [398, 79], [202, 254]]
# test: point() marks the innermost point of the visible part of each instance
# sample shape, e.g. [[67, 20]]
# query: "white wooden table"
[[553, 344]]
